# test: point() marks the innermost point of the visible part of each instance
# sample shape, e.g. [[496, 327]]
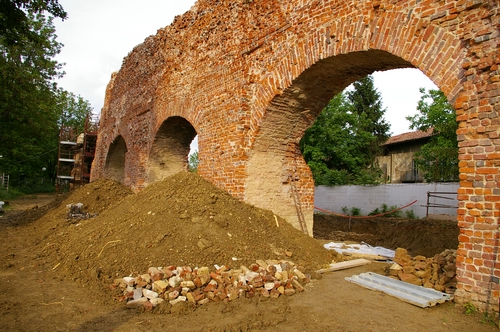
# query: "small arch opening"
[[171, 149], [115, 162]]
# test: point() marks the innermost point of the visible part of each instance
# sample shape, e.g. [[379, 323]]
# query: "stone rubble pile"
[[438, 272], [198, 286], [75, 211]]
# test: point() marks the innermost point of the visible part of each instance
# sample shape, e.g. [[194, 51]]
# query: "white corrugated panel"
[[416, 295]]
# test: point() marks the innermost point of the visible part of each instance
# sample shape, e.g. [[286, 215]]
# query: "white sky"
[[98, 34]]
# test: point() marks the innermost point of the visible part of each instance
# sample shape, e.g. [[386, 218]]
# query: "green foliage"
[[366, 102], [340, 147], [72, 110], [470, 309], [32, 108], [384, 208], [28, 99], [410, 214], [438, 159], [15, 22], [488, 319], [12, 193], [353, 211], [193, 162]]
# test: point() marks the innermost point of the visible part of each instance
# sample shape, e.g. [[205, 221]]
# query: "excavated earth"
[[57, 269]]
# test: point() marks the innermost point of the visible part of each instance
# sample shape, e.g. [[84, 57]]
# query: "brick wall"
[[251, 76]]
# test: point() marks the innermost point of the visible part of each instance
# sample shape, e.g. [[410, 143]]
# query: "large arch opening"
[[170, 150], [115, 161], [276, 168], [403, 181]]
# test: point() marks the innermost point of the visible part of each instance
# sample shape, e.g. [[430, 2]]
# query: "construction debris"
[[419, 296], [75, 211], [362, 250], [198, 286], [345, 265], [438, 272]]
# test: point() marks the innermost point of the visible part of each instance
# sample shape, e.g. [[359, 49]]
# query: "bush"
[[10, 194], [384, 209], [353, 211]]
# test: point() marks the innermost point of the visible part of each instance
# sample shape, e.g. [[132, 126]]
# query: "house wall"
[[399, 167]]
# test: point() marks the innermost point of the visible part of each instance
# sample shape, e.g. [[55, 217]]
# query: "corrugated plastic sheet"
[[416, 295]]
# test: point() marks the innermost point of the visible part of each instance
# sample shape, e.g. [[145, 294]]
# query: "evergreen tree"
[[340, 147], [366, 102]]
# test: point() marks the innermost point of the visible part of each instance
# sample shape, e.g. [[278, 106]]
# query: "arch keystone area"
[[249, 77]]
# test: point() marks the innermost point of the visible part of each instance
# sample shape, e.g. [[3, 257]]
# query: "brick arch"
[[276, 166], [232, 69], [170, 149], [115, 161]]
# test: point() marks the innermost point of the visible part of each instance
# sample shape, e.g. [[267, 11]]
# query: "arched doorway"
[[115, 161], [170, 149]]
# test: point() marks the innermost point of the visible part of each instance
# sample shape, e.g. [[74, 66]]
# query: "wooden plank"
[[366, 256], [345, 265]]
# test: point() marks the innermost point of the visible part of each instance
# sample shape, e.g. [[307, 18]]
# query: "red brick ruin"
[[249, 77]]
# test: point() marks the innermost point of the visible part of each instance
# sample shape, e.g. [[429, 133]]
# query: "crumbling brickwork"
[[250, 76]]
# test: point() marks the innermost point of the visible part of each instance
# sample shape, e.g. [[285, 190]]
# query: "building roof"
[[411, 136]]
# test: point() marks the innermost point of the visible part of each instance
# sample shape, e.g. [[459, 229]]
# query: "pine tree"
[[366, 102], [341, 146]]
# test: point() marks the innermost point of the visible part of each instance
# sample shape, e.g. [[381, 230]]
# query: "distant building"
[[398, 159]]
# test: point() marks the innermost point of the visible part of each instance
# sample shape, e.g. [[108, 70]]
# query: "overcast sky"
[[98, 34]]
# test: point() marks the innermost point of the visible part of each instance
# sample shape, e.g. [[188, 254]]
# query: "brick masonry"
[[248, 77]]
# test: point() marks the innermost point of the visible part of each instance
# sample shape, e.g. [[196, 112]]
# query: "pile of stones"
[[198, 286], [438, 272], [75, 211]]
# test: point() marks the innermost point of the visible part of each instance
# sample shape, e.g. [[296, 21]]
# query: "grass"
[[14, 192]]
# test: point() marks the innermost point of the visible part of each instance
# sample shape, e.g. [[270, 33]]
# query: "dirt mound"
[[183, 220]]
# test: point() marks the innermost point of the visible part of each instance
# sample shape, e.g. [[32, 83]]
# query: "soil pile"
[[183, 220]]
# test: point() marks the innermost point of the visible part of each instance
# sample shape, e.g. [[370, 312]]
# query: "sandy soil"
[[55, 273]]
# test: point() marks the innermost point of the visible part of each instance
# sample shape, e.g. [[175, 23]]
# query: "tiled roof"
[[413, 135]]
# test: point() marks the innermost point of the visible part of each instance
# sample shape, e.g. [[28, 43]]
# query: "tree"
[[72, 110], [193, 162], [28, 97], [32, 108], [340, 147], [366, 102], [15, 24], [438, 159]]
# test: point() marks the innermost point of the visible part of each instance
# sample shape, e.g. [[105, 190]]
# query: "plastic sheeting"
[[362, 248]]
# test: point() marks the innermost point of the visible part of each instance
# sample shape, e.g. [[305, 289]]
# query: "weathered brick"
[[238, 88]]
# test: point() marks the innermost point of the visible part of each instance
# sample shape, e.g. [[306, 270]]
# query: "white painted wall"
[[368, 198]]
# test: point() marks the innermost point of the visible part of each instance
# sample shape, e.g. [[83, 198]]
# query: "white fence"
[[368, 198]]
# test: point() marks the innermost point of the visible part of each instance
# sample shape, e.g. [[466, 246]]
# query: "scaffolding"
[[75, 156]]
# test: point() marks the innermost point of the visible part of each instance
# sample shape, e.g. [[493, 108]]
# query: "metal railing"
[[438, 194]]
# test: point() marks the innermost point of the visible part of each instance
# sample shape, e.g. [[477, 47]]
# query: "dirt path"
[[36, 296]]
